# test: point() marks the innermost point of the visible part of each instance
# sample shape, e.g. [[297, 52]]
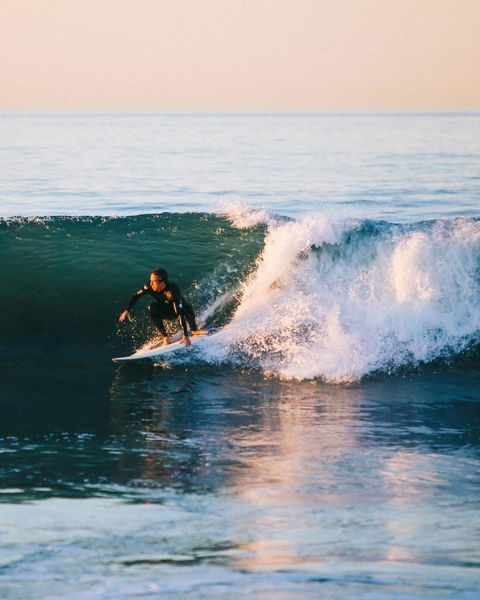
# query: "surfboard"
[[159, 351]]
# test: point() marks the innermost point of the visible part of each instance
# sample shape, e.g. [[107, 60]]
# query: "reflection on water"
[[236, 429], [252, 476]]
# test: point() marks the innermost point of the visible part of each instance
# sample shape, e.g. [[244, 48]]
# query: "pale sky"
[[240, 54]]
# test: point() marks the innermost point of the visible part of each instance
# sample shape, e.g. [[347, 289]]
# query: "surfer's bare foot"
[[166, 341], [186, 341]]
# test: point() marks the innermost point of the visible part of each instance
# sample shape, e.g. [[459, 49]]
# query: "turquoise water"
[[326, 442]]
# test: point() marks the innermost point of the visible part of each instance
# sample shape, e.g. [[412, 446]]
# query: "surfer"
[[168, 304]]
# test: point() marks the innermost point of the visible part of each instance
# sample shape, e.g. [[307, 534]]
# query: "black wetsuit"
[[169, 304]]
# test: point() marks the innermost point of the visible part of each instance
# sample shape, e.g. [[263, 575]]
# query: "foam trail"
[[341, 299]]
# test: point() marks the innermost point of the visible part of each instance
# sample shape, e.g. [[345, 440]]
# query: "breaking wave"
[[335, 299], [340, 299]]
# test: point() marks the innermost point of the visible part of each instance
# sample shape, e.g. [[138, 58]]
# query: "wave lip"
[[340, 299]]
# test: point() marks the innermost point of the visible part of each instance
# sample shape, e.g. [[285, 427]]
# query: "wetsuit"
[[169, 304]]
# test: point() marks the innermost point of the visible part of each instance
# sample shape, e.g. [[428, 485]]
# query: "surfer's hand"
[[125, 315], [186, 341]]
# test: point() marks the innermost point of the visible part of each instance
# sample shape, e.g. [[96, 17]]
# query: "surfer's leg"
[[156, 317], [190, 316]]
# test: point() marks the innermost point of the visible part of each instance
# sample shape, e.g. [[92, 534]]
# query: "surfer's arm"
[[125, 315], [133, 300], [182, 319], [183, 323], [178, 308], [137, 295]]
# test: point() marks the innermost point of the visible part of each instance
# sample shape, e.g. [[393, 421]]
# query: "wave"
[[340, 299], [336, 299]]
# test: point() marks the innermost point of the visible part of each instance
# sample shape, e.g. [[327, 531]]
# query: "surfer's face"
[[157, 284]]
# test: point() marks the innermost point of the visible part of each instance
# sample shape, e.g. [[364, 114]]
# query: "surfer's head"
[[158, 279]]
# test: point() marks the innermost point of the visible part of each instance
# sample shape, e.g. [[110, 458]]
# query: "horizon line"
[[246, 112]]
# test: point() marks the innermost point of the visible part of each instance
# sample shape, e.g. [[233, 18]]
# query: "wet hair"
[[161, 274]]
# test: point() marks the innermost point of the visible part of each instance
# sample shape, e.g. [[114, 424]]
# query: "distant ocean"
[[326, 442]]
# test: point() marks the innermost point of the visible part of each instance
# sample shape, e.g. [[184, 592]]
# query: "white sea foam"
[[243, 216], [337, 300]]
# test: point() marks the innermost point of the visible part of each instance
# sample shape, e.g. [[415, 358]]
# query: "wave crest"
[[341, 299]]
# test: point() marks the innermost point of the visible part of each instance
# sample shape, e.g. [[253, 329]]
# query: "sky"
[[240, 55]]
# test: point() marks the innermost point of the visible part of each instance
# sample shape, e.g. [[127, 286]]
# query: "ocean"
[[325, 442]]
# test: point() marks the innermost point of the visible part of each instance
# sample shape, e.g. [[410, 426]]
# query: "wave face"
[[66, 279], [314, 298]]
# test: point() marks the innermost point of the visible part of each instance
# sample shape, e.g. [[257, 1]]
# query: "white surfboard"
[[159, 351]]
